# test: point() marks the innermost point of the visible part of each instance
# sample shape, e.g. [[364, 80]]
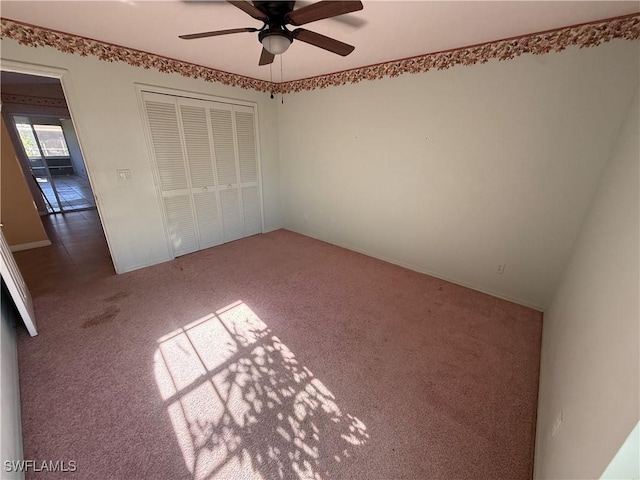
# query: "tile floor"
[[74, 192], [78, 253]]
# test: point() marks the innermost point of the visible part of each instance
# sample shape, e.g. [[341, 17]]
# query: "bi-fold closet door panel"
[[205, 155], [248, 169], [237, 169], [196, 129], [168, 150], [227, 169]]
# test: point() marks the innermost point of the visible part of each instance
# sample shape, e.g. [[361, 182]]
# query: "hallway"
[[78, 253]]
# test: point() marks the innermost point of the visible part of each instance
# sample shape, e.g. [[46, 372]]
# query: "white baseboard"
[[409, 266], [27, 246]]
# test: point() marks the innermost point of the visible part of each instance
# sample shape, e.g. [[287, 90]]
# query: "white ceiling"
[[383, 31]]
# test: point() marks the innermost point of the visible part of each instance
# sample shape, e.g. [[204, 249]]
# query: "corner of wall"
[[589, 375]]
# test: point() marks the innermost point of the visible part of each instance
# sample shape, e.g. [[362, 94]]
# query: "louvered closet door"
[[248, 167], [206, 157], [169, 158], [227, 170], [198, 144]]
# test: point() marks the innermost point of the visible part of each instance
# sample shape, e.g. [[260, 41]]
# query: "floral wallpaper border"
[[34, 36], [14, 98], [586, 35]]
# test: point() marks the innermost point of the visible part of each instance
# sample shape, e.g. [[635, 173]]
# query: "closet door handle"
[[204, 189]]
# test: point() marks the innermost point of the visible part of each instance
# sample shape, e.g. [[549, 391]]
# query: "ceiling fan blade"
[[215, 33], [321, 10], [249, 9], [266, 57], [349, 20], [327, 43]]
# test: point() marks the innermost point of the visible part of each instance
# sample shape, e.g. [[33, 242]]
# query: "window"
[[51, 140], [28, 140], [50, 137]]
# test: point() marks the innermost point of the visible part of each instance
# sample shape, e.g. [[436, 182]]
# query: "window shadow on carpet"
[[242, 405]]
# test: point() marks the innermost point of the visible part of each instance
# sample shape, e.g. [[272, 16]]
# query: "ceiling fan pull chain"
[[271, 78], [281, 81]]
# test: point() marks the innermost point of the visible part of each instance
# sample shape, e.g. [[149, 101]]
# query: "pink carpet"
[[279, 356]]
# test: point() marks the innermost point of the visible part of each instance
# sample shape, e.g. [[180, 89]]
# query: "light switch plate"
[[124, 175]]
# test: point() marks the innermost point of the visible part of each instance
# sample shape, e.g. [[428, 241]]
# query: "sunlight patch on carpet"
[[242, 405]]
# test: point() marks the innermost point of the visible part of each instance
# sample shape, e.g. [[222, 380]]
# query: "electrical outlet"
[[501, 268], [557, 423]]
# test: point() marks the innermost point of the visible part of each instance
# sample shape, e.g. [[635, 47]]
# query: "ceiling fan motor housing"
[[276, 11]]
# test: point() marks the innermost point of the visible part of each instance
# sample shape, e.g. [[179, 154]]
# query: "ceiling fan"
[[276, 38]]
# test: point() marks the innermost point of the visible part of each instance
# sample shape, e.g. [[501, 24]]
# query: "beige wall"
[[20, 220], [454, 172], [589, 372]]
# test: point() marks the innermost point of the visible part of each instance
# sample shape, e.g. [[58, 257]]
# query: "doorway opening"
[[47, 149], [41, 129]]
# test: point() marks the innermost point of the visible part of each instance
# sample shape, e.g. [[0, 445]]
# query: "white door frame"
[[17, 287], [69, 96]]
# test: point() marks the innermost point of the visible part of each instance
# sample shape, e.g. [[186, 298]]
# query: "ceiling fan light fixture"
[[274, 35], [276, 42]]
